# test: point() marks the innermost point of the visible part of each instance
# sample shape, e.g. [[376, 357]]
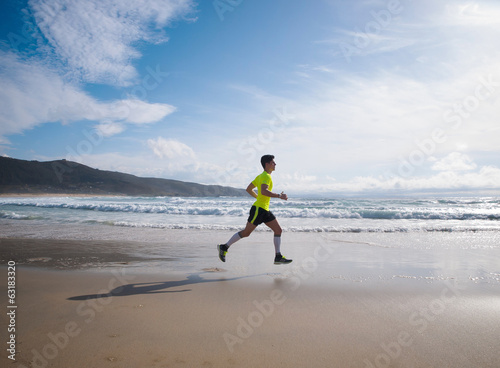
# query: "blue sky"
[[383, 97]]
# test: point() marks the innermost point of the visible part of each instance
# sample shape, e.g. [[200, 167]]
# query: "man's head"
[[266, 159]]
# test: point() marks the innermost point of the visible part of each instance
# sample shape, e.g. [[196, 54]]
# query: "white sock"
[[277, 243], [233, 239]]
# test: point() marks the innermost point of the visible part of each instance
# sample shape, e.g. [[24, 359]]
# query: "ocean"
[[480, 214]]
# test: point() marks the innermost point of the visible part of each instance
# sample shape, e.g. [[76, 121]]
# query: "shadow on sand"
[[157, 287]]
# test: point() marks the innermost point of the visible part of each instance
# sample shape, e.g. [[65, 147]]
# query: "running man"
[[259, 213]]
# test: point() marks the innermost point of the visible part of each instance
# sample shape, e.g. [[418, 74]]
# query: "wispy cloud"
[[96, 38], [472, 14]]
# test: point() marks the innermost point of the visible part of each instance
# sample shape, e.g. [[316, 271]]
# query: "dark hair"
[[266, 159]]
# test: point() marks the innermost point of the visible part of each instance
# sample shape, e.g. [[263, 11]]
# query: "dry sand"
[[215, 318]]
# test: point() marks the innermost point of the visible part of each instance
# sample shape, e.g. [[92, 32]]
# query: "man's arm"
[[250, 190], [265, 191]]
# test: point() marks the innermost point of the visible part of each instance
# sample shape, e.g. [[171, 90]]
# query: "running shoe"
[[279, 259], [222, 248]]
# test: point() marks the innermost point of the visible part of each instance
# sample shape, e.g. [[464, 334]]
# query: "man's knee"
[[243, 234]]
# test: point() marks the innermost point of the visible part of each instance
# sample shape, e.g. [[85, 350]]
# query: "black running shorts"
[[259, 215]]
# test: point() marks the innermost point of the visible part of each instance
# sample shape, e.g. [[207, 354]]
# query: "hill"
[[62, 176]]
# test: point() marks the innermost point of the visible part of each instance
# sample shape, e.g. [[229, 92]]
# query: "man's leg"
[[276, 228], [241, 234], [223, 248]]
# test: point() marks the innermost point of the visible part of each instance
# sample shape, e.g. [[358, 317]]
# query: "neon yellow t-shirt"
[[262, 200]]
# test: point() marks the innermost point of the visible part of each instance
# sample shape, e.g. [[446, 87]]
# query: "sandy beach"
[[100, 310]]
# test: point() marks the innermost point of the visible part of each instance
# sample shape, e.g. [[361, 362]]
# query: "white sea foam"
[[297, 215]]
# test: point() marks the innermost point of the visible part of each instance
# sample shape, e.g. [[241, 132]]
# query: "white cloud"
[[455, 161], [131, 111], [108, 129], [487, 178], [33, 94], [96, 38], [170, 149]]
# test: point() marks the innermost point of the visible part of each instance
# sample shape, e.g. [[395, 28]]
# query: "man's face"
[[271, 165]]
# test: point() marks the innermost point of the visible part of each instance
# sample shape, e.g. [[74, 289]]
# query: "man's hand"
[[283, 196]]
